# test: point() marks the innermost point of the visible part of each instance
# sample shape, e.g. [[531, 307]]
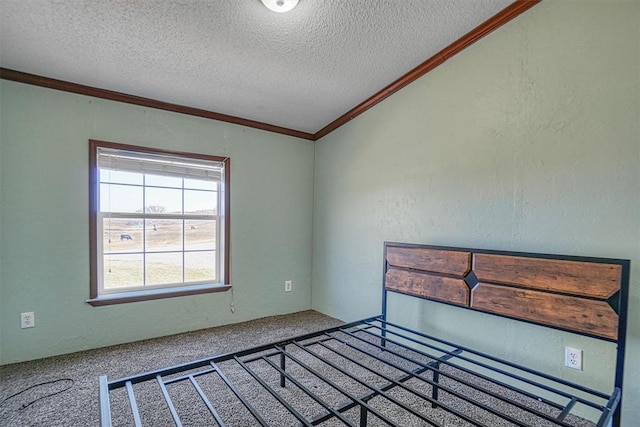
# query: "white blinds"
[[160, 164]]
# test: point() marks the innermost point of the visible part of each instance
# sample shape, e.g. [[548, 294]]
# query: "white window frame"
[[171, 164]]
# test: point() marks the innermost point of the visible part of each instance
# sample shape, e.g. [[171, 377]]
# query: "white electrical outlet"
[[27, 320], [288, 285], [573, 358]]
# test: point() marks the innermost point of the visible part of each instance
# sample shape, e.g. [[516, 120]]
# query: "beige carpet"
[[68, 390], [78, 406]]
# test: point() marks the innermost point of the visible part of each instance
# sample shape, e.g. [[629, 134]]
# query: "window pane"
[[163, 268], [199, 235], [163, 200], [200, 266], [163, 235], [122, 235], [198, 184], [163, 181], [119, 177], [200, 202], [120, 198], [122, 271]]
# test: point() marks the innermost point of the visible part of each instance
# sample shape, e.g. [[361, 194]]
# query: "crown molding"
[[32, 79], [493, 23], [507, 14]]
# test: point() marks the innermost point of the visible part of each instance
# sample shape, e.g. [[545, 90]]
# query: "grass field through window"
[[141, 252]]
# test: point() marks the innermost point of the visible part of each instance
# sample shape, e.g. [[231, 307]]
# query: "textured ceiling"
[[299, 70]]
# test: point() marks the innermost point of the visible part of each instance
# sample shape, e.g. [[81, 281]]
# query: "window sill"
[[135, 296]]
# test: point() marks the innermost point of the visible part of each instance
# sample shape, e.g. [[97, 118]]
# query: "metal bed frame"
[[368, 373]]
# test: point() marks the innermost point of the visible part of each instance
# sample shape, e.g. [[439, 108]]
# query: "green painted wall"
[[45, 233], [529, 140]]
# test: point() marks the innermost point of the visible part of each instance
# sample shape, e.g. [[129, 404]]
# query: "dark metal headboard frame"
[[473, 279]]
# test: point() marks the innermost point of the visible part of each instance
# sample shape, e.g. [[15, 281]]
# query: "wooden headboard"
[[577, 294]]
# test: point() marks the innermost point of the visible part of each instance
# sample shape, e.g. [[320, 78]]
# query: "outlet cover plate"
[[288, 285], [573, 358], [27, 320]]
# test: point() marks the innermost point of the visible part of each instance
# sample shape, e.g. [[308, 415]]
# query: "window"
[[159, 223]]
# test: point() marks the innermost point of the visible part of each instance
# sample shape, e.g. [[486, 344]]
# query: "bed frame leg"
[[434, 391], [282, 366], [105, 407], [363, 416]]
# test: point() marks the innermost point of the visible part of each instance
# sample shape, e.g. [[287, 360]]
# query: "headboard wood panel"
[[440, 288], [455, 263], [577, 294], [571, 277], [576, 314]]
